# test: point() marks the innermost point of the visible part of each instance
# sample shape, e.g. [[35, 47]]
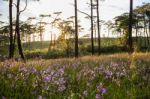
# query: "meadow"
[[114, 76], [102, 54], [108, 46]]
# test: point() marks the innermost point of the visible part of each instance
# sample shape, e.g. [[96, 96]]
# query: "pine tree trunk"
[[98, 29], [11, 30], [41, 38], [149, 29], [92, 38], [136, 32], [146, 32], [76, 29], [54, 41], [18, 31], [130, 45]]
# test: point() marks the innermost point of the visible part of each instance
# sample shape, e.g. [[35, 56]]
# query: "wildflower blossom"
[[103, 91], [47, 78], [98, 96]]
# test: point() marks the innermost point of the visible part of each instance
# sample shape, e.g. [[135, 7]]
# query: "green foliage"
[[56, 53], [137, 47], [64, 49], [35, 54], [4, 38]]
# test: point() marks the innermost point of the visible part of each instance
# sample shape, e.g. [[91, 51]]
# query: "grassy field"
[[114, 76], [35, 49]]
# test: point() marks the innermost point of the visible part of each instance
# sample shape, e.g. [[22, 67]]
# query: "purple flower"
[[60, 72], [23, 69], [33, 70], [108, 74], [104, 90], [47, 78], [98, 96]]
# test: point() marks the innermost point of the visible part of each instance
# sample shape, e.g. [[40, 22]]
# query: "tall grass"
[[89, 77]]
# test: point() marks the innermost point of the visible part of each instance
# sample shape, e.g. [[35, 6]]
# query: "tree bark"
[[149, 29], [18, 31], [92, 39], [146, 32], [11, 30], [136, 30], [130, 45], [41, 37], [98, 29], [76, 29]]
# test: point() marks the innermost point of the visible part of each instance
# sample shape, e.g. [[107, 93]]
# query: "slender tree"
[[92, 38], [18, 30], [18, 12], [145, 31], [11, 30], [148, 15], [130, 27], [76, 29], [98, 28]]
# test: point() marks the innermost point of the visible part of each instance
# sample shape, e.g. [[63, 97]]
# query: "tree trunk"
[[11, 30], [41, 37], [147, 37], [54, 41], [146, 32], [67, 48], [95, 32], [130, 45], [92, 39], [14, 42], [136, 31], [29, 42], [18, 31], [76, 29], [98, 29], [149, 29]]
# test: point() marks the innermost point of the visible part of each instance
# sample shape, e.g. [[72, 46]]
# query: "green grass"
[[122, 75], [38, 49]]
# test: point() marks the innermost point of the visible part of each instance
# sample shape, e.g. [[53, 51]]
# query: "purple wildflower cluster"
[[46, 78], [100, 91]]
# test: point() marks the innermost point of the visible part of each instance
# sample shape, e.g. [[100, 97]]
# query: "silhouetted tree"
[[92, 38], [98, 28], [76, 29], [11, 45], [18, 29], [130, 45]]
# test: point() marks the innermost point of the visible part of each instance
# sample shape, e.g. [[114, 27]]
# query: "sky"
[[108, 9]]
